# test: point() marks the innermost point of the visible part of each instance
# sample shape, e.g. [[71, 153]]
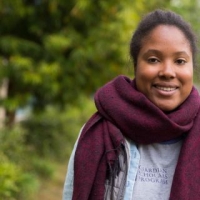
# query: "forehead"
[[166, 36]]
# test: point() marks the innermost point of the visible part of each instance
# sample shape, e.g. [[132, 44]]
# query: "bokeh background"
[[54, 54]]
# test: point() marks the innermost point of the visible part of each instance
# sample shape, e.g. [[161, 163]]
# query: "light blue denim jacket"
[[133, 164]]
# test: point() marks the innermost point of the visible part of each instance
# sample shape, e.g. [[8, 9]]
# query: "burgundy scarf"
[[123, 109]]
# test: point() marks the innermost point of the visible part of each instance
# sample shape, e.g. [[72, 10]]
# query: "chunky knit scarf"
[[124, 110]]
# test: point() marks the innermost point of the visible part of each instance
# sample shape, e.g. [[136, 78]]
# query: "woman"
[[143, 142]]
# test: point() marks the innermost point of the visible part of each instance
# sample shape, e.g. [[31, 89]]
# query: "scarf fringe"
[[115, 168]]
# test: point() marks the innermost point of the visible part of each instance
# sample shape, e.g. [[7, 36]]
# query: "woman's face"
[[164, 71]]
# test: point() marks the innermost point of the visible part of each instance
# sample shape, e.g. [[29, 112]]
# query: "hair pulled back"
[[154, 19]]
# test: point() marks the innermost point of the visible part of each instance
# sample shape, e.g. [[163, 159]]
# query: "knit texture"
[[125, 112]]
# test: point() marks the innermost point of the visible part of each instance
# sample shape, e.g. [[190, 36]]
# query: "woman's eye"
[[153, 60], [180, 61]]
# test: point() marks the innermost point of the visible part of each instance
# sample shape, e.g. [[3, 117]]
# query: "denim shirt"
[[133, 164], [134, 160]]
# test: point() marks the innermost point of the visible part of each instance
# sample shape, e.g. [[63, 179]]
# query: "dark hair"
[[154, 19]]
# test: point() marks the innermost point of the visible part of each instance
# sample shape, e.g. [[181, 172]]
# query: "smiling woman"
[[143, 142], [164, 70]]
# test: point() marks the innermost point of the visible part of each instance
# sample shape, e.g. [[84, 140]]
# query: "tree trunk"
[[3, 95]]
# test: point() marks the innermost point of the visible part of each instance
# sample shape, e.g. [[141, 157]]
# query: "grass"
[[52, 189]]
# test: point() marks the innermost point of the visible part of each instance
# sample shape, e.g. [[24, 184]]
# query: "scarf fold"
[[123, 109]]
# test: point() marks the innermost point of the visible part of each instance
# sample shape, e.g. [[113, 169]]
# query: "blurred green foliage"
[[54, 55], [51, 134], [14, 183], [53, 50], [30, 149], [15, 180]]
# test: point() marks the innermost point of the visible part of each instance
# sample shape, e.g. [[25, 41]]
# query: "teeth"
[[165, 88]]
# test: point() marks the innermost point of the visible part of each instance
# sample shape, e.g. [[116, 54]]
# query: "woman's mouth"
[[167, 89]]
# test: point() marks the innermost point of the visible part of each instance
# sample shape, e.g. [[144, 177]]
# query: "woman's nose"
[[167, 70]]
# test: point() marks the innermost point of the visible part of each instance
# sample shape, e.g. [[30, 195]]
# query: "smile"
[[168, 89]]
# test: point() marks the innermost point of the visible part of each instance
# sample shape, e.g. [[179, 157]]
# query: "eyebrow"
[[160, 52]]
